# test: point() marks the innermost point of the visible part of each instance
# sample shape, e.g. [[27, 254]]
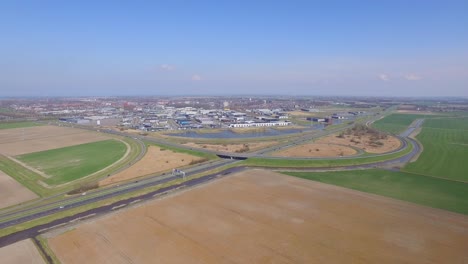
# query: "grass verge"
[[9, 125], [200, 154], [47, 249]]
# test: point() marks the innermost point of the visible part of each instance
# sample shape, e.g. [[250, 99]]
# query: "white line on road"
[[48, 228], [118, 206], [83, 217], [136, 201]]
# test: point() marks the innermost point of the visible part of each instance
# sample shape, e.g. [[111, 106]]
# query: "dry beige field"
[[20, 141], [155, 160], [302, 113], [232, 147], [22, 252], [12, 192], [389, 144], [416, 112], [316, 150], [265, 217]]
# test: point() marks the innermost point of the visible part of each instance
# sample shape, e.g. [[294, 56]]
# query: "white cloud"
[[413, 77], [196, 77], [384, 77], [167, 67]]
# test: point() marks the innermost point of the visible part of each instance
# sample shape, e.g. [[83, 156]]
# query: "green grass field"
[[395, 123], [72, 163], [8, 125], [428, 191], [445, 154]]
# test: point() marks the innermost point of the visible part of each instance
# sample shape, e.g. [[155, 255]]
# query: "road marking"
[[48, 228], [118, 206], [83, 217], [136, 201]]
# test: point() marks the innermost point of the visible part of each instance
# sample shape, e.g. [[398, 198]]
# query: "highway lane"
[[37, 230], [415, 125], [22, 216]]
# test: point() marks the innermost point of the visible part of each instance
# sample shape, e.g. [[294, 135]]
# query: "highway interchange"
[[11, 218]]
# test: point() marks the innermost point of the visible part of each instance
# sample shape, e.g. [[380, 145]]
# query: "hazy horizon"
[[333, 48]]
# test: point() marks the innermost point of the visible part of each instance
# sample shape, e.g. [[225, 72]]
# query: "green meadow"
[[74, 162], [395, 123], [445, 154]]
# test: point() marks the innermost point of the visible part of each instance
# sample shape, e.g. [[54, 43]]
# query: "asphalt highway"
[[37, 230], [28, 214]]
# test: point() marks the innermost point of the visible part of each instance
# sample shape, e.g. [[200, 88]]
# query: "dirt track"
[[21, 253], [264, 217], [12, 192], [20, 141], [155, 160]]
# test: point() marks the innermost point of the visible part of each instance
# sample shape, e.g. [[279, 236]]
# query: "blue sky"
[[53, 48]]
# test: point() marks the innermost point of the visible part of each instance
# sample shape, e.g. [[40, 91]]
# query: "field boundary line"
[[28, 167], [127, 152], [431, 176]]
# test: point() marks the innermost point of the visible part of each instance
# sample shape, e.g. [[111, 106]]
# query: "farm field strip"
[[259, 211], [12, 192], [34, 181], [21, 141], [21, 252], [428, 191], [25, 177], [156, 160], [71, 163], [11, 125], [445, 149], [396, 123]]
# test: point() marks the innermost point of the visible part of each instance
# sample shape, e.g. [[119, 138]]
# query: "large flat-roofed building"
[[260, 124]]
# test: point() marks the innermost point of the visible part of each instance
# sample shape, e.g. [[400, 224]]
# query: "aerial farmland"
[[321, 192], [259, 216]]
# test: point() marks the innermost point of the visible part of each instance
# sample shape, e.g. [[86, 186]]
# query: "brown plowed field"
[[265, 217], [11, 192], [21, 252], [155, 160], [20, 141], [316, 150], [389, 144]]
